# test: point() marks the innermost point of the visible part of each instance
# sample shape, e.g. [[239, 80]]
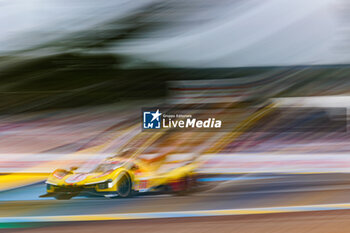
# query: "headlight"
[[105, 185]]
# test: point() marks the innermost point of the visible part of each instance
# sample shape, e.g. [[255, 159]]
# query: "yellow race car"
[[120, 177]]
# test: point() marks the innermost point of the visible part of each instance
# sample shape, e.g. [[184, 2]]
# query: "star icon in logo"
[[156, 115]]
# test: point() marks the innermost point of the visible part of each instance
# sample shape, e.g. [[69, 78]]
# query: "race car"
[[120, 177]]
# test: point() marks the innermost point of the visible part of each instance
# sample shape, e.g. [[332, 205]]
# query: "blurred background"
[[74, 76]]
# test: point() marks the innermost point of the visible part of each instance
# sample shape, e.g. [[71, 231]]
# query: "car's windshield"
[[106, 167]]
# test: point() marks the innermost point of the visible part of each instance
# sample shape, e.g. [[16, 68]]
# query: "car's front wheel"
[[124, 186]]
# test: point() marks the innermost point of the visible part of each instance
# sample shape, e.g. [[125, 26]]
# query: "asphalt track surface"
[[240, 192], [309, 222]]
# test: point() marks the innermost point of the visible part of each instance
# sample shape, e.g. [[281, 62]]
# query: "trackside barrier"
[[274, 163]]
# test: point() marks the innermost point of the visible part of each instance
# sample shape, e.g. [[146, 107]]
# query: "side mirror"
[[73, 169]]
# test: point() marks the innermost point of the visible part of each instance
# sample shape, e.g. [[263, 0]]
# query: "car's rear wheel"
[[124, 186], [183, 186]]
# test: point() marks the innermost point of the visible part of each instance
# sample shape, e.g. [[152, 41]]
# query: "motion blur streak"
[[95, 97], [177, 214], [181, 33]]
